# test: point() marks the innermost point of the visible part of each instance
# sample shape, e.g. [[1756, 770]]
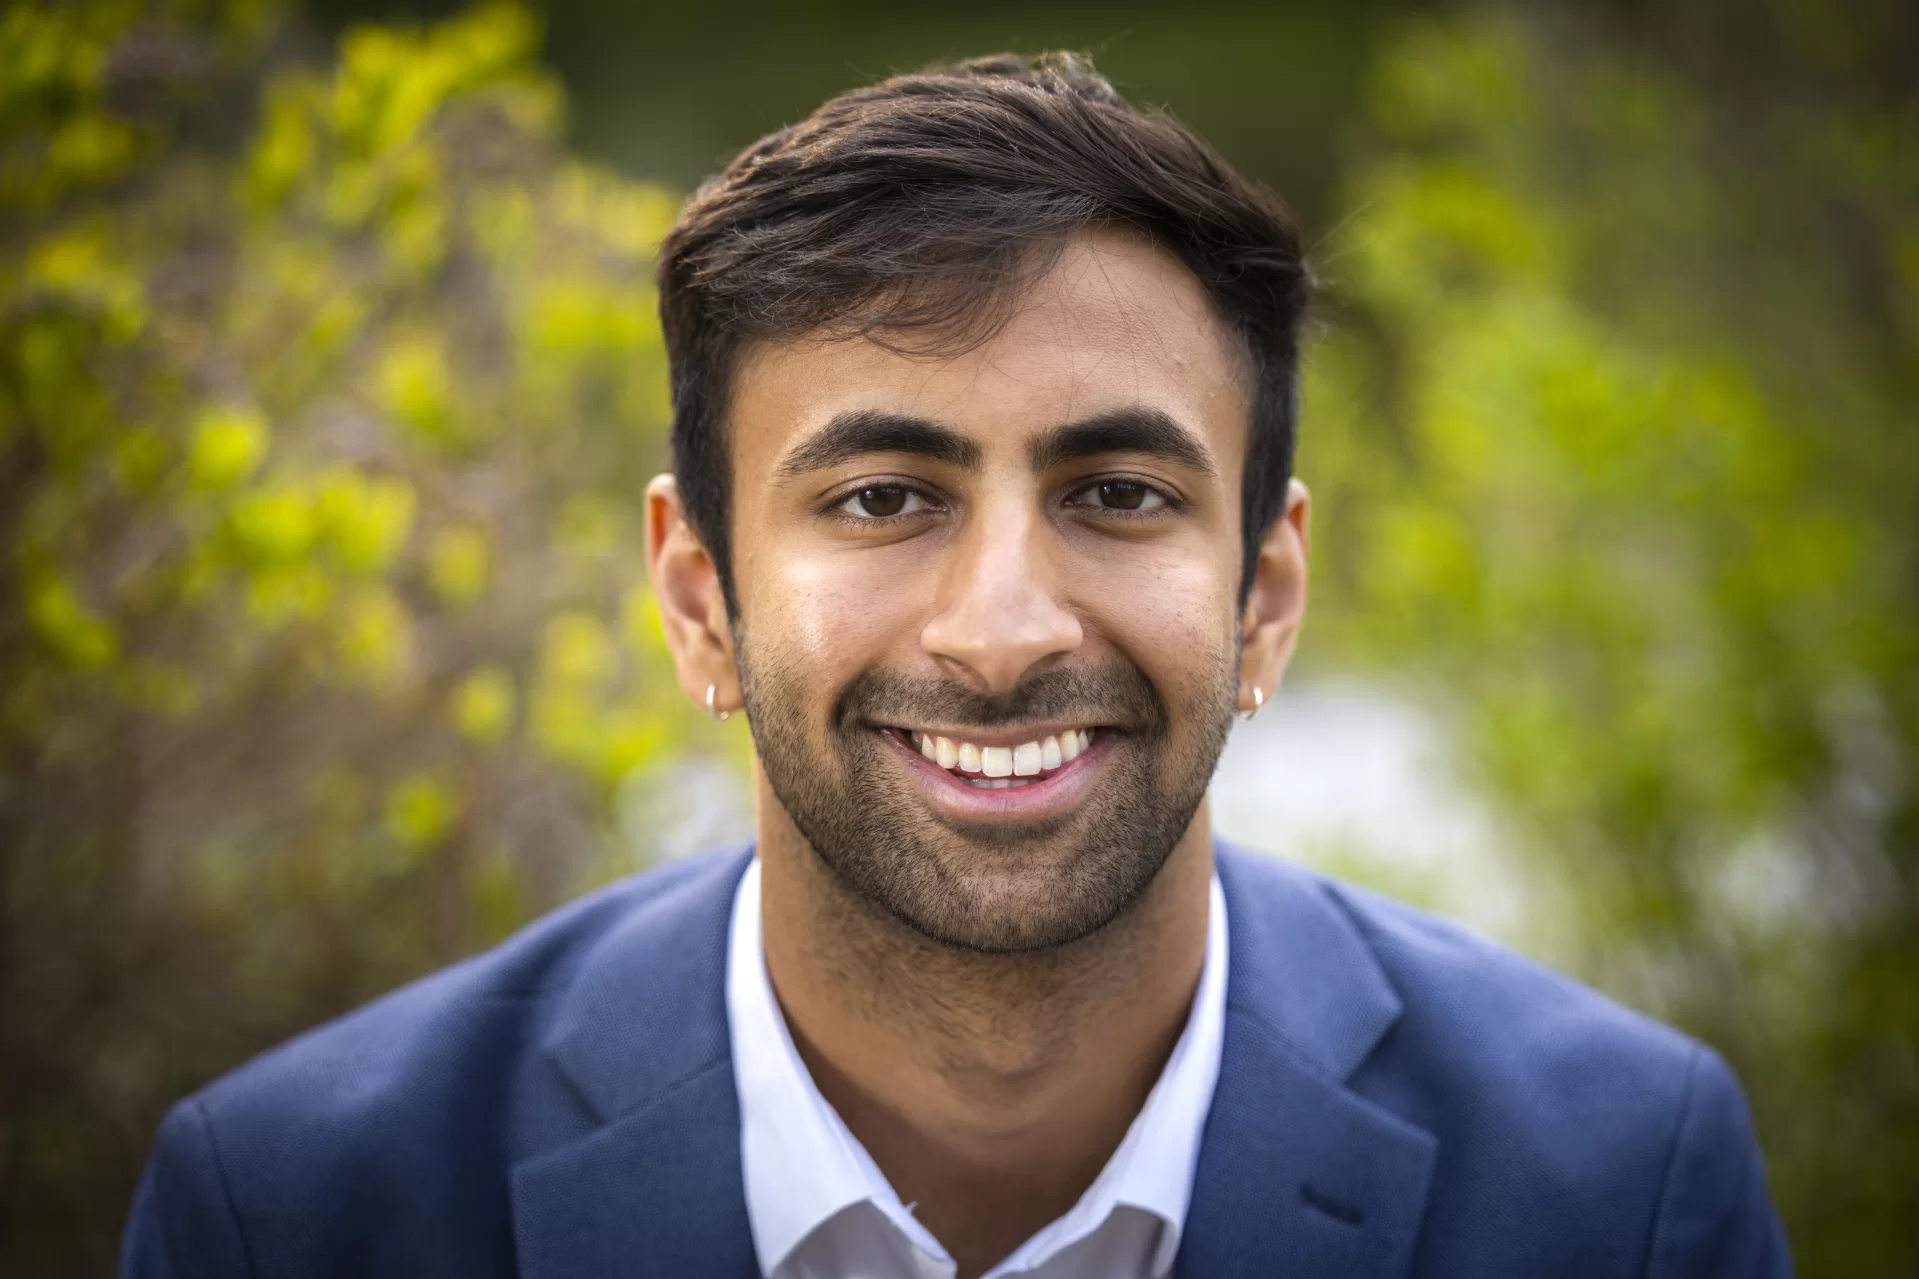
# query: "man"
[[984, 393]]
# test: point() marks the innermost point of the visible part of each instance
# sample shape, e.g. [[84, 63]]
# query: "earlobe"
[[686, 586], [1276, 603]]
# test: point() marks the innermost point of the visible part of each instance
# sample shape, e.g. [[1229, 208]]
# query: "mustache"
[[1116, 694]]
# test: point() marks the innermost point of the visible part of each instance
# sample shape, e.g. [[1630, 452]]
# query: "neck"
[[990, 1089]]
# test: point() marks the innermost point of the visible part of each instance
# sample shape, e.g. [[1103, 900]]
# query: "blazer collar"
[[1297, 1172], [653, 1186]]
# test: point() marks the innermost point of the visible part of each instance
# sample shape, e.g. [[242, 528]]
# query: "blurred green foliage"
[[327, 383], [325, 641], [1612, 427], [673, 90]]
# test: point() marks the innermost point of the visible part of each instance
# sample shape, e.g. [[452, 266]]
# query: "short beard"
[[989, 890]]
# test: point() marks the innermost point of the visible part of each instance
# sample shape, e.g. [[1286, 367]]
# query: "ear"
[[1276, 605], [686, 584]]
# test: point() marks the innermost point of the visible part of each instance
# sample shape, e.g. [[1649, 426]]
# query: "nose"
[[999, 613]]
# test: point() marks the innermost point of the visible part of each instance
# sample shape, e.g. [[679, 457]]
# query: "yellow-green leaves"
[[323, 433], [362, 151], [284, 149], [414, 385], [348, 471], [365, 519], [140, 458], [56, 132], [1612, 466], [576, 652], [589, 526], [419, 811], [1452, 82], [77, 634], [285, 592], [392, 81], [78, 268], [274, 524], [457, 565], [482, 705], [576, 712], [633, 215], [228, 445]]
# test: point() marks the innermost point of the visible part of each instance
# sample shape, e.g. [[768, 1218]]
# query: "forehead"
[[1117, 323]]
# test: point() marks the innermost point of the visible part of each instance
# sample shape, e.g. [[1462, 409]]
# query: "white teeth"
[[1027, 760]]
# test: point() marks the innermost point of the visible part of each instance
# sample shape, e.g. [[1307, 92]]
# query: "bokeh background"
[[330, 375]]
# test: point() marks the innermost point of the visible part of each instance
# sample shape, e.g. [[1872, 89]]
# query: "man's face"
[[987, 629]]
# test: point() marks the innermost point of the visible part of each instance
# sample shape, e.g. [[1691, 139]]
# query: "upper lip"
[[1004, 735]]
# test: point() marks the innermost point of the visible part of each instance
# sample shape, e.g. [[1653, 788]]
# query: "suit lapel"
[[1297, 1174], [652, 1186]]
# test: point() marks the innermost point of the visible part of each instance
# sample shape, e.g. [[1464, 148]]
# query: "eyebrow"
[[865, 431], [1129, 430]]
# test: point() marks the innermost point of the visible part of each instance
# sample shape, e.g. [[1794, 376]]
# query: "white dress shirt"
[[821, 1209]]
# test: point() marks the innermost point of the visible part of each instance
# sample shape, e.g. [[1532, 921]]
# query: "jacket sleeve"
[[183, 1224], [1715, 1220]]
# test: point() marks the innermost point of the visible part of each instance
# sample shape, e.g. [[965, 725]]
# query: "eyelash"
[[836, 508], [1168, 501]]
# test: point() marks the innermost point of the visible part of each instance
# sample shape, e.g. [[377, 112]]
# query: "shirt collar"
[[1152, 1169], [802, 1165]]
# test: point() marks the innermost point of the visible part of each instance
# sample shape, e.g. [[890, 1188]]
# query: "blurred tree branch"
[[1613, 430], [324, 643]]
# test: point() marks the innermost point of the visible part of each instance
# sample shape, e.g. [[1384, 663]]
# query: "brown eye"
[[1119, 495], [881, 502]]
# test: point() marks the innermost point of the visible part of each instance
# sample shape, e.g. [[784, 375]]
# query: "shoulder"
[[1522, 1021], [1563, 1120], [465, 1019], [401, 1119], [1503, 1021]]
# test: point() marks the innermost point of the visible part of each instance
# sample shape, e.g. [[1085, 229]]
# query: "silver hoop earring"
[[1259, 701], [721, 716]]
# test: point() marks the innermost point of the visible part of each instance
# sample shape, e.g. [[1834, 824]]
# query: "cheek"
[[1171, 614], [834, 614]]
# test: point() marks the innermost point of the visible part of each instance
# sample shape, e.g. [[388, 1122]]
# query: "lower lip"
[[1056, 793]]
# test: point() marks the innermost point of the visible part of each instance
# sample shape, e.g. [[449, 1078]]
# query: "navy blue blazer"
[[1397, 1098]]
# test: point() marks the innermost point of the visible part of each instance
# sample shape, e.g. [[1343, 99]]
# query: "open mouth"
[[1003, 767]]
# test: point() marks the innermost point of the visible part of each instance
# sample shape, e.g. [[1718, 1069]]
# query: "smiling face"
[[988, 632]]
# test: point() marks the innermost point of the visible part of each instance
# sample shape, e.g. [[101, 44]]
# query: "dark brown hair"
[[916, 211]]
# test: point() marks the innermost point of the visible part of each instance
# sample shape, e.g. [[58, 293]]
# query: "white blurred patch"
[[701, 802], [1353, 780]]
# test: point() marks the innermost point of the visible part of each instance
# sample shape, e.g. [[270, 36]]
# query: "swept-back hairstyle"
[[917, 211]]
